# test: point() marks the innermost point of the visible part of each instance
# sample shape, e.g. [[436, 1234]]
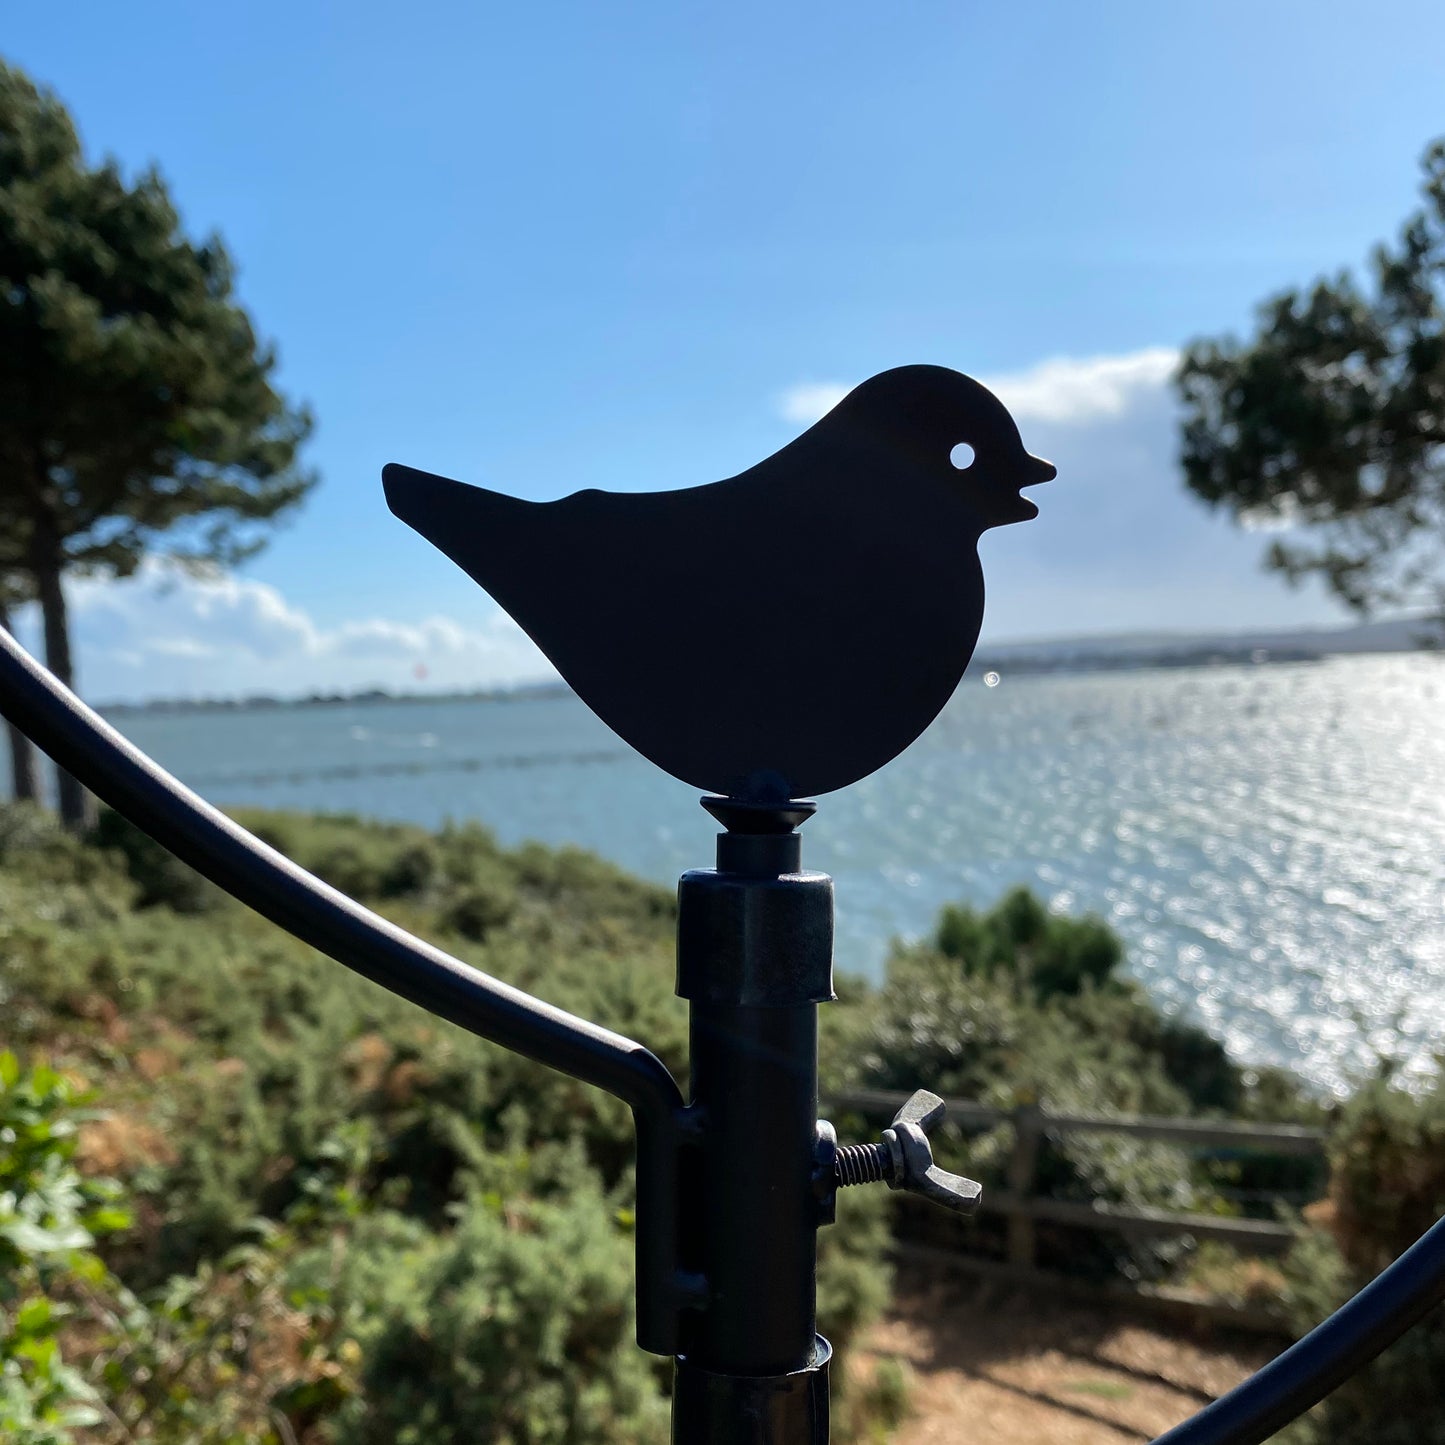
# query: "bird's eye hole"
[[962, 456]]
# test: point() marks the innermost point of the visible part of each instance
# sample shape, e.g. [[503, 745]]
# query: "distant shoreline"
[[1030, 660], [365, 697]]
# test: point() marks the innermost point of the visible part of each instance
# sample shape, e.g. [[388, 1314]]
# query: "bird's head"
[[952, 427]]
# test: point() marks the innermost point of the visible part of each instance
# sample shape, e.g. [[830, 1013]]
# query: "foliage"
[[34, 853], [1016, 1006], [159, 876], [317, 1169], [1048, 954], [138, 411], [1387, 1187], [1332, 419], [351, 1222], [1017, 993], [136, 394], [174, 1368], [986, 1036], [49, 1219], [515, 1326]]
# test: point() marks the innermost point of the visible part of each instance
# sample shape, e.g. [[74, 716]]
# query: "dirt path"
[[992, 1364]]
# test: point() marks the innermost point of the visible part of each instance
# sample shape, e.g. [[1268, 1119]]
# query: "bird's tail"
[[478, 529]]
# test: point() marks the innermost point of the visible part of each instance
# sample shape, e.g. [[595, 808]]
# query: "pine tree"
[[1331, 421], [138, 414]]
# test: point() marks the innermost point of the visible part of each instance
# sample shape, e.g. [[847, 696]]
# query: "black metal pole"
[[755, 952]]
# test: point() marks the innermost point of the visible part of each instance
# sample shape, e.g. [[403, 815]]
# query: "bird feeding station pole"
[[732, 1184], [769, 637]]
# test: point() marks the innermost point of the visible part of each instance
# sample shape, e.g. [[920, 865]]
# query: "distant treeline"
[[1014, 666], [1137, 661], [366, 697]]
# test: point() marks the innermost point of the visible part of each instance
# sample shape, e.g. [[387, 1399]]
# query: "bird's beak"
[[1036, 470]]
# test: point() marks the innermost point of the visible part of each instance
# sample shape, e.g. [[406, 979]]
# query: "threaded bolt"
[[864, 1164]]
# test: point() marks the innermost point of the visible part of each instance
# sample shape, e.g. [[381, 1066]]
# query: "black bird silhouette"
[[784, 632]]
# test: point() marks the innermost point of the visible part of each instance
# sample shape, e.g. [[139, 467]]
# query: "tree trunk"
[[77, 807], [24, 769]]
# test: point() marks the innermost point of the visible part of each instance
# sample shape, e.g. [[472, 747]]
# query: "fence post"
[[1022, 1172]]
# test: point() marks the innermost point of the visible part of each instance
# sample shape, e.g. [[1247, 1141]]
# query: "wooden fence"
[[1023, 1208]]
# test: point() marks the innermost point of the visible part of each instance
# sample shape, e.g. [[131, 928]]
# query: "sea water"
[[1268, 840]]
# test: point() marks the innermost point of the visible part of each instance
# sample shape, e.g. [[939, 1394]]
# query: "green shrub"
[[160, 877], [516, 1327], [480, 911], [1387, 1158], [35, 849], [298, 1144], [49, 1219], [1387, 1161], [1046, 954], [361, 1222], [1017, 1006]]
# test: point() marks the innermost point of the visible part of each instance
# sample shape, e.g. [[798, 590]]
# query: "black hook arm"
[[120, 774]]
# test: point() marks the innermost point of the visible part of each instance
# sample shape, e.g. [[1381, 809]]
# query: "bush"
[[515, 1327], [334, 1191], [364, 1224], [49, 1219], [34, 848], [1016, 1006], [1387, 1160], [1387, 1157], [480, 911], [160, 877], [1019, 938]]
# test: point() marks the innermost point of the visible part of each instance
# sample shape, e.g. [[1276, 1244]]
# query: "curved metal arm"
[[118, 772], [1304, 1374]]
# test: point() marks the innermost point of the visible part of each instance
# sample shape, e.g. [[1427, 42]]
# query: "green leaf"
[[33, 1316], [32, 1238], [107, 1220], [78, 1416]]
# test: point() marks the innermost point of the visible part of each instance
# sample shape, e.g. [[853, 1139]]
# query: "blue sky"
[[561, 245]]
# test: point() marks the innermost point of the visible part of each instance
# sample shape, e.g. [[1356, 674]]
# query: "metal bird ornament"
[[781, 633]]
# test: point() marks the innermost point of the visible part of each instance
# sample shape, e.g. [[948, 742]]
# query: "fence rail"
[[1022, 1207]]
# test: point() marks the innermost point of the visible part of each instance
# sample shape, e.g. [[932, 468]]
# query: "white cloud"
[[805, 403], [1069, 390], [165, 632], [1062, 390], [1120, 541]]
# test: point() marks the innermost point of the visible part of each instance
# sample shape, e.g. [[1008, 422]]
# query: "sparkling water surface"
[[1268, 840]]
